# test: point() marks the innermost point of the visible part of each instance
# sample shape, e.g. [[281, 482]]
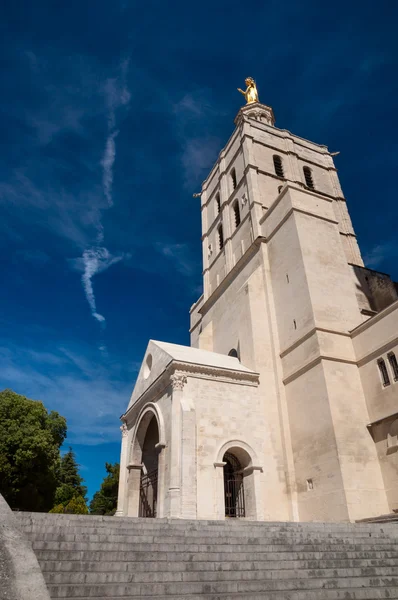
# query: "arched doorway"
[[149, 473], [234, 493]]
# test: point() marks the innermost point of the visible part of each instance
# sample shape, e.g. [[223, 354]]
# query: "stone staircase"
[[91, 557]]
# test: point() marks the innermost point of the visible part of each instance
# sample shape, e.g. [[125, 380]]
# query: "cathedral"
[[285, 406]]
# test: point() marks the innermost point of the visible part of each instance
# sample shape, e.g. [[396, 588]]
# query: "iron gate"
[[148, 494], [233, 487]]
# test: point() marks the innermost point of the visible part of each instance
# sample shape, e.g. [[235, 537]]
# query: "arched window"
[[309, 182], [233, 178], [233, 352], [236, 213], [278, 166], [218, 204], [383, 372], [220, 237], [392, 359]]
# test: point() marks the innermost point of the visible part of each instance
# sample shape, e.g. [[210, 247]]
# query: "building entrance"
[[234, 493]]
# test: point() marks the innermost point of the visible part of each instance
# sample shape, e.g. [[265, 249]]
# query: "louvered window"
[[392, 359], [278, 166], [220, 237], [236, 213], [383, 372], [309, 182]]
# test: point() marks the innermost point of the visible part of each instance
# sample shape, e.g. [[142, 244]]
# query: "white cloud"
[[107, 165], [89, 394], [180, 255], [95, 260], [381, 252]]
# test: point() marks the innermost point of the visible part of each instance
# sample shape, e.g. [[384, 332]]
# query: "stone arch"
[[243, 452], [247, 477], [146, 466], [149, 411]]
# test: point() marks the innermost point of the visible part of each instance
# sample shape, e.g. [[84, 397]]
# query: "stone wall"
[[20, 574]]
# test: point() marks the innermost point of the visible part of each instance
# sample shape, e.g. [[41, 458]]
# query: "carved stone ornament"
[[178, 381], [244, 200], [124, 430]]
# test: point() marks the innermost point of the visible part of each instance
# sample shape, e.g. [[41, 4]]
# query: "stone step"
[[105, 557], [81, 534], [156, 523], [110, 590], [206, 576], [204, 548], [73, 566], [341, 594], [130, 543]]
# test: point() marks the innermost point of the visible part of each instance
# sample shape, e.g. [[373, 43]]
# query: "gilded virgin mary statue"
[[250, 93]]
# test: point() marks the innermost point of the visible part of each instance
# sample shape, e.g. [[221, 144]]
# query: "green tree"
[[76, 506], [104, 501], [70, 482], [30, 439]]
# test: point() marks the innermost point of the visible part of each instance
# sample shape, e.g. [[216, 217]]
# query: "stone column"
[[121, 498], [177, 381]]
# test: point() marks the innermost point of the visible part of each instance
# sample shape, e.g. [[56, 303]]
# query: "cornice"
[[175, 375]]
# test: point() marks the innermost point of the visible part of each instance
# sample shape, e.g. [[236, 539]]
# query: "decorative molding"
[[362, 326], [178, 381], [124, 430], [313, 363], [309, 334], [219, 464], [134, 466]]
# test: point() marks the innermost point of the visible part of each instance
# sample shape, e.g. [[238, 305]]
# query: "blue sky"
[[111, 114]]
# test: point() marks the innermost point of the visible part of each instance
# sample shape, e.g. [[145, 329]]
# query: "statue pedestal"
[[257, 111]]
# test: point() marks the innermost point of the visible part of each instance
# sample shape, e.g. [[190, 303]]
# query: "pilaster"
[[178, 380], [121, 499]]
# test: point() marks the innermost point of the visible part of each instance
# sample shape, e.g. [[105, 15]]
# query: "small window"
[[392, 359], [383, 372], [280, 187], [233, 179], [218, 204], [278, 166], [233, 352], [220, 237], [236, 213], [309, 182]]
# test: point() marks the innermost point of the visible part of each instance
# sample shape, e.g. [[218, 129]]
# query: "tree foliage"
[[104, 501], [30, 438], [70, 482], [76, 506]]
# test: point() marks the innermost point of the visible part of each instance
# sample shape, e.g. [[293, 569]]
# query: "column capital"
[[178, 380], [124, 430]]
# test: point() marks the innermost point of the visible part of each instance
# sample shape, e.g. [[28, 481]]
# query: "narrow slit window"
[[233, 179], [220, 237], [218, 204], [236, 213], [280, 187], [392, 359], [278, 166], [383, 372], [309, 182]]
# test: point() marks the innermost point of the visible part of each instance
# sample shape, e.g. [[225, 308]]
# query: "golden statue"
[[251, 93]]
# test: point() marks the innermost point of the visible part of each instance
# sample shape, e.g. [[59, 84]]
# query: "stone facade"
[[290, 345]]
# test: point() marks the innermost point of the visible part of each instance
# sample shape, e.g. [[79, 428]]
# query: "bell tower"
[[279, 291]]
